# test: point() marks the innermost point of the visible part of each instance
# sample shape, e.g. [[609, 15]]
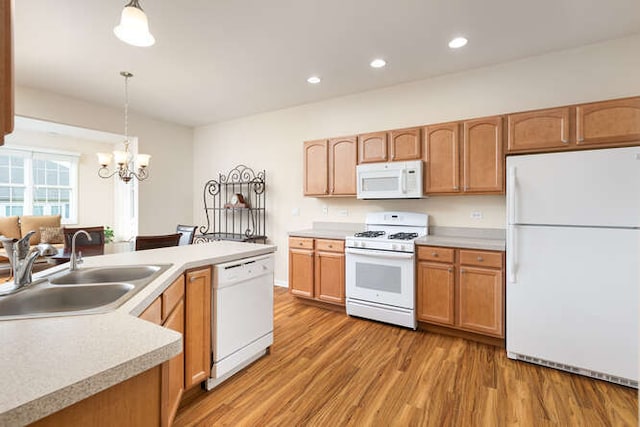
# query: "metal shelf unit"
[[226, 222]]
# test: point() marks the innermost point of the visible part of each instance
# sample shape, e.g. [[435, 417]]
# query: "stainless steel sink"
[[58, 300], [105, 275], [83, 291]]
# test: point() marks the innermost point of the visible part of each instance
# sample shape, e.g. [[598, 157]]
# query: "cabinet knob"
[[301, 244], [455, 187], [311, 254], [480, 259], [564, 140], [581, 139], [449, 270], [192, 279], [330, 246], [462, 270], [434, 254]]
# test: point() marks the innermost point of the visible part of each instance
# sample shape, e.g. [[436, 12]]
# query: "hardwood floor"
[[326, 369]]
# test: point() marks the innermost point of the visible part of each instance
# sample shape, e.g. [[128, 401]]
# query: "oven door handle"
[[379, 254]]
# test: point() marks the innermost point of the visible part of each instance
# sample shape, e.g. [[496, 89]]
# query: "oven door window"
[[381, 278]]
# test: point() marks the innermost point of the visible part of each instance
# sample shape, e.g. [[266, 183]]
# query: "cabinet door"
[[442, 159], [173, 370], [483, 156], [543, 130], [372, 147], [153, 313], [405, 144], [480, 305], [197, 335], [6, 70], [301, 272], [329, 280], [342, 166], [436, 283], [316, 168], [608, 122]]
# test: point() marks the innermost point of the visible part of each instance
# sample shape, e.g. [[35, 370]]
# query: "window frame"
[[31, 154]]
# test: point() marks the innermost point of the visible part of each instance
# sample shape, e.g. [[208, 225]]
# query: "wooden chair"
[[188, 233], [95, 246], [160, 241]]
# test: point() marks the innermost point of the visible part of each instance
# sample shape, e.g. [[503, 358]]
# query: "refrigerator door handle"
[[512, 256], [511, 195]]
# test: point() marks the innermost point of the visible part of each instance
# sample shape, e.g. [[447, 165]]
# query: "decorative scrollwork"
[[212, 187], [241, 174]]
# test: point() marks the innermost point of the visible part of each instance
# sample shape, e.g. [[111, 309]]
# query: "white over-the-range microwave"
[[393, 180]]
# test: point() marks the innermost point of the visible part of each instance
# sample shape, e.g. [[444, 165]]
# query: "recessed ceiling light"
[[457, 42], [378, 63], [314, 80]]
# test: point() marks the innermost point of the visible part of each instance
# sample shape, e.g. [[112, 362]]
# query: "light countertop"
[[50, 363]]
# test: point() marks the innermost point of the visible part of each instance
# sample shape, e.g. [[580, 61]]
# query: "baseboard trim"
[[281, 283]]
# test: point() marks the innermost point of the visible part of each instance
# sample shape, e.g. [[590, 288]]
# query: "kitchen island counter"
[[50, 363]]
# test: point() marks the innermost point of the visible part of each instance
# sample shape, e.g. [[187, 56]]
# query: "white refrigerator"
[[573, 261]]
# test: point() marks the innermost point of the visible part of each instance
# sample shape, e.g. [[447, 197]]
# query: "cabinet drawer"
[[301, 242], [481, 258], [330, 245], [172, 296], [430, 253]]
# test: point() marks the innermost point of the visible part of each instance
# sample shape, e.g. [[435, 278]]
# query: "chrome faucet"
[[75, 259], [22, 260]]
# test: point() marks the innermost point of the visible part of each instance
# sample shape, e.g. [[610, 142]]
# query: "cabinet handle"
[[581, 139], [480, 259], [434, 254]]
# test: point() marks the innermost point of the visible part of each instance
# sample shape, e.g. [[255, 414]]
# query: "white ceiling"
[[219, 59]]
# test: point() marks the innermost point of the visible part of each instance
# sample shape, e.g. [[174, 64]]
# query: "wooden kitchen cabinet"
[[329, 271], [483, 156], [330, 167], [373, 148], [316, 168], [173, 370], [539, 130], [395, 145], [608, 123], [477, 161], [197, 324], [405, 144], [6, 70], [461, 289], [442, 158], [614, 123], [316, 269]]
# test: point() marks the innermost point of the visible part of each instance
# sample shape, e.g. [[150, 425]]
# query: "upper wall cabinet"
[[396, 145], [330, 167], [442, 158], [608, 122], [372, 147], [6, 70], [539, 130], [477, 160], [599, 124]]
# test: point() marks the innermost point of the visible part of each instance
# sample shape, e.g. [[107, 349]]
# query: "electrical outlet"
[[325, 210], [295, 212], [476, 214], [343, 212]]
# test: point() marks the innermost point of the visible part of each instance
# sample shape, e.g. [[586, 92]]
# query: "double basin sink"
[[82, 291]]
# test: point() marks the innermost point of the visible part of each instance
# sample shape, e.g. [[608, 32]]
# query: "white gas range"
[[380, 268]]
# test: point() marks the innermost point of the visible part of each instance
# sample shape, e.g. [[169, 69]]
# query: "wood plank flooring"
[[326, 369]]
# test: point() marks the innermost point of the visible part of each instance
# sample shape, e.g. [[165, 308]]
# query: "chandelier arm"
[[104, 172]]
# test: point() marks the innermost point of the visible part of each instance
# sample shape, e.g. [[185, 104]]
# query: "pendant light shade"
[[134, 26]]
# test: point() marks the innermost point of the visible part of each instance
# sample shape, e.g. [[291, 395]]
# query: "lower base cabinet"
[[316, 269], [461, 289]]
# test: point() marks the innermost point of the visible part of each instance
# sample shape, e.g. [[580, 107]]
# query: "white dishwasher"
[[241, 315]]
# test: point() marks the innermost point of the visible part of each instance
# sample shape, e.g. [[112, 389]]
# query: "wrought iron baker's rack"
[[226, 222]]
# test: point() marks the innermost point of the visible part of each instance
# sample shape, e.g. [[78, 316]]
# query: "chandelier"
[[126, 162], [134, 26]]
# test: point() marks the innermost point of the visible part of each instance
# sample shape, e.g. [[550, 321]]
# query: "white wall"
[[95, 195], [165, 198], [273, 141]]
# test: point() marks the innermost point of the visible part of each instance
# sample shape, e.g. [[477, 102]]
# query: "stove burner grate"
[[403, 236], [370, 234]]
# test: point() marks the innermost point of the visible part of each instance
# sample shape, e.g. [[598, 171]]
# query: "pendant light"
[[125, 161], [134, 26]]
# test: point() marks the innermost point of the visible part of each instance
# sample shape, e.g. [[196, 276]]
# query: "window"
[[38, 183]]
